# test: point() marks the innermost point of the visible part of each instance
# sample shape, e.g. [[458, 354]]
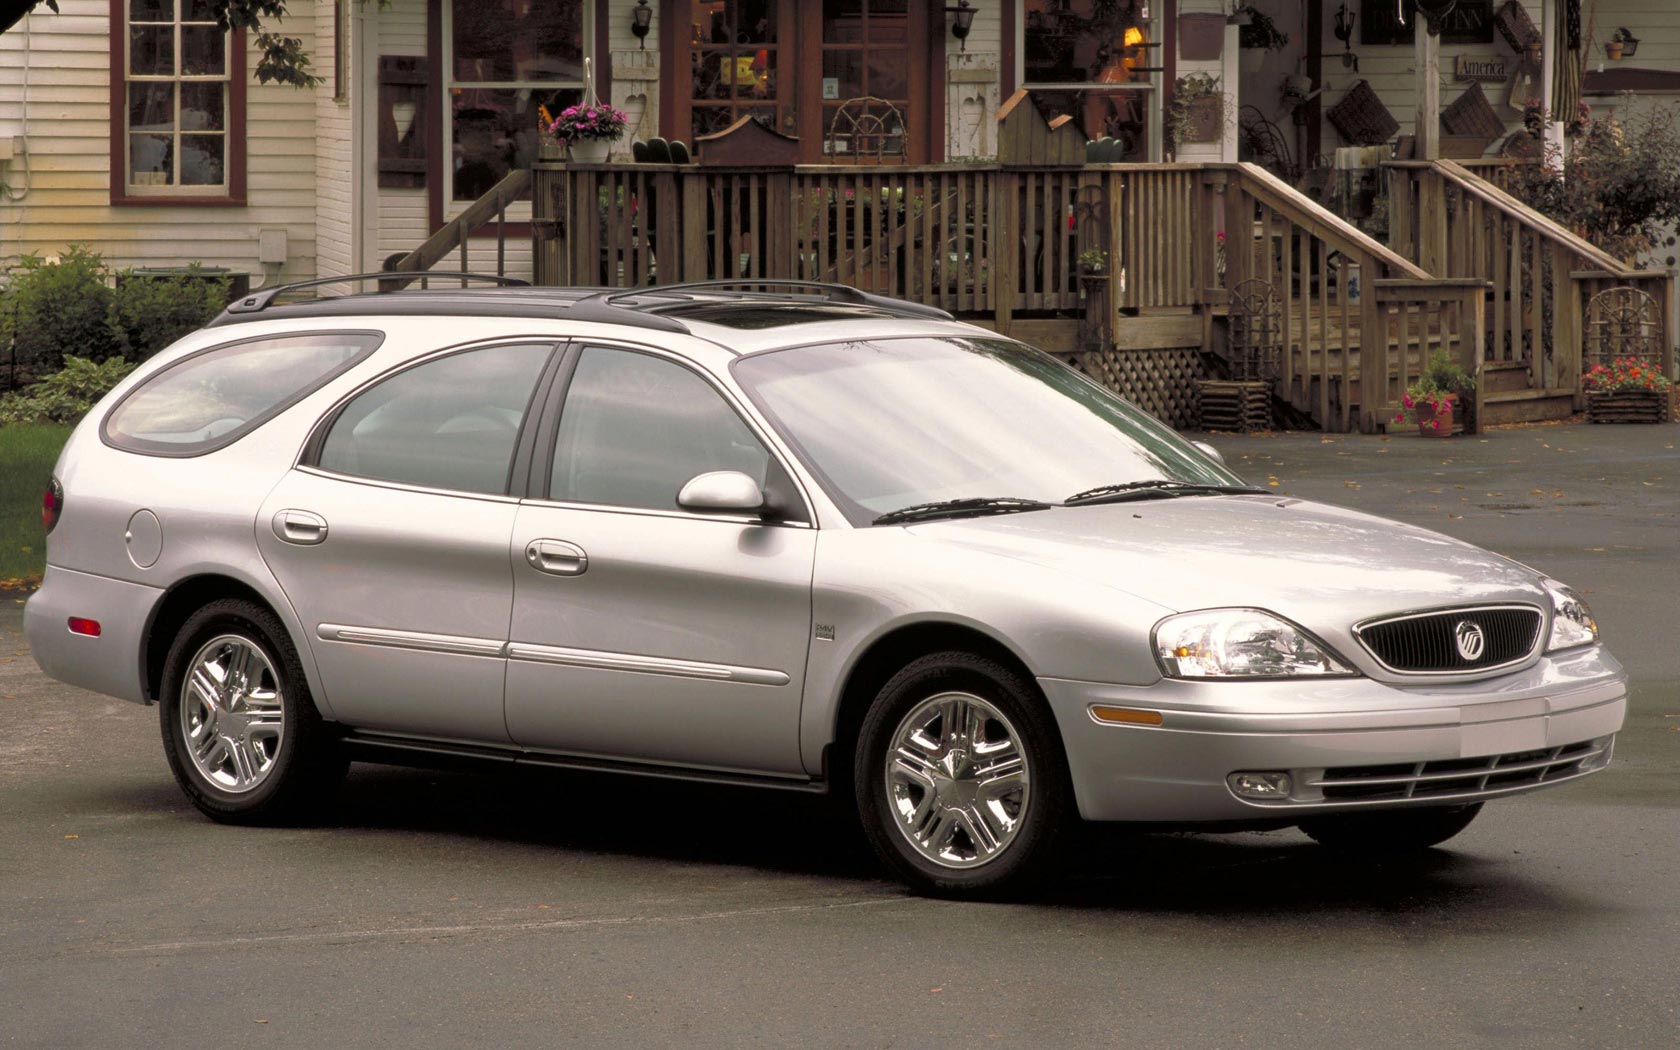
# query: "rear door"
[[391, 541], [640, 631]]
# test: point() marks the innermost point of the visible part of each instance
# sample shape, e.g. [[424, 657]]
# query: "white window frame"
[[132, 188], [1151, 88], [518, 211]]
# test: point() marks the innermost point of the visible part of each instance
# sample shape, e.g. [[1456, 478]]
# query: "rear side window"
[[213, 398], [448, 423]]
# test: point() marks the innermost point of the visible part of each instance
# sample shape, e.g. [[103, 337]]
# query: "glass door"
[[865, 87], [731, 65]]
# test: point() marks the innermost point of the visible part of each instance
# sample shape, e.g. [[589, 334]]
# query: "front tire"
[[240, 729], [1392, 832], [959, 778]]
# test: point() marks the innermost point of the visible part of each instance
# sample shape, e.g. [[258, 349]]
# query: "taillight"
[[52, 504]]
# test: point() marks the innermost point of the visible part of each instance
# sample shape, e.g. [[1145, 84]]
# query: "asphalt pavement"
[[450, 910]]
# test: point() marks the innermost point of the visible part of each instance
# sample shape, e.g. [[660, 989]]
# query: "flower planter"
[[1204, 118], [1201, 37], [1251, 59], [1628, 406], [589, 151], [1434, 422]]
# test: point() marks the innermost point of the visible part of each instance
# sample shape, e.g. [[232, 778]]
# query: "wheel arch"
[[193, 592], [887, 654]]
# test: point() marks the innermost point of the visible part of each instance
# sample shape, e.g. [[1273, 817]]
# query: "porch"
[[1131, 272]]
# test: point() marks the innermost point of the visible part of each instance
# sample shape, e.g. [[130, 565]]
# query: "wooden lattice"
[[1161, 382], [1623, 322]]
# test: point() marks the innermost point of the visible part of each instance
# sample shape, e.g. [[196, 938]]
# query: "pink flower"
[[1406, 399], [1399, 417], [1435, 424]]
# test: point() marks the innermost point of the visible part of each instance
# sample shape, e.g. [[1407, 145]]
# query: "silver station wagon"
[[786, 535]]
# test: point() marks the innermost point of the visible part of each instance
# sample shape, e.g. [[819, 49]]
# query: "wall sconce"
[[962, 20], [641, 17], [1345, 21]]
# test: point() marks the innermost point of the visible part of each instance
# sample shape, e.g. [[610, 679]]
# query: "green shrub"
[[66, 395], [53, 310], [151, 312]]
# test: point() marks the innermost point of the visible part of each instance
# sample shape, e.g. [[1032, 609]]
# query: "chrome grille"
[[1429, 643], [1462, 776]]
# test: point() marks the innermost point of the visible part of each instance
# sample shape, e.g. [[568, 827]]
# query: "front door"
[[864, 90], [640, 631]]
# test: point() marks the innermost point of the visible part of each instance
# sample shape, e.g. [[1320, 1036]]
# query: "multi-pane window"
[[508, 58], [733, 48], [177, 105], [865, 52], [1094, 59]]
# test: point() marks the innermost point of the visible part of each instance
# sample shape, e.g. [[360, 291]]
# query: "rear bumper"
[[1347, 744], [109, 664]]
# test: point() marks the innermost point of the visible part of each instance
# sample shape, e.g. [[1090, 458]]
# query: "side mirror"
[[722, 492], [1209, 451]]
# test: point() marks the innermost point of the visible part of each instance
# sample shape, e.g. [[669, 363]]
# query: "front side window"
[[893, 423], [213, 398], [507, 58], [448, 423], [177, 107], [636, 428]]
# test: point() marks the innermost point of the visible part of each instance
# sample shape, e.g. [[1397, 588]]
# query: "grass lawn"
[[27, 455]]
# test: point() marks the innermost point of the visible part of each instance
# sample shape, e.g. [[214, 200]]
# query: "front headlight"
[[1240, 643], [1572, 621]]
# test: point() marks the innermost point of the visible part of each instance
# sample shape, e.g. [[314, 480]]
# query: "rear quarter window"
[[212, 398]]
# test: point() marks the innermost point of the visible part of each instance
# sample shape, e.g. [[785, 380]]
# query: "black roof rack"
[[259, 301], [829, 291], [509, 296]]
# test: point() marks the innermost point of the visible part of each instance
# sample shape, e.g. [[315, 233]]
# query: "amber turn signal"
[[1125, 715]]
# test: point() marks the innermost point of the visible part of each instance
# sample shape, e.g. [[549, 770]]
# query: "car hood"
[[1324, 567]]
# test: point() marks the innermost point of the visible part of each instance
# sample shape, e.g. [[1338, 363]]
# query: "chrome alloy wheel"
[[957, 780], [232, 717]]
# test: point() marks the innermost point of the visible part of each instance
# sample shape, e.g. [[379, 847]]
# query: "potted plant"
[[1257, 36], [1093, 263], [588, 130], [1197, 111], [1627, 390], [1433, 399]]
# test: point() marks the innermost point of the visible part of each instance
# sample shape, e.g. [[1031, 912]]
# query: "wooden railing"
[[1005, 245], [459, 231], [1540, 274]]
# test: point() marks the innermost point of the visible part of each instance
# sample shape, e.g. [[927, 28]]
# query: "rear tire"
[[240, 729], [1392, 832], [959, 777]]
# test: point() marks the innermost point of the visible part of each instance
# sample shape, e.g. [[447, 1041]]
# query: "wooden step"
[[1527, 406]]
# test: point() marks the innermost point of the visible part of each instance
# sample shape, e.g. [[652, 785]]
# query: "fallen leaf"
[[72, 836], [1350, 484]]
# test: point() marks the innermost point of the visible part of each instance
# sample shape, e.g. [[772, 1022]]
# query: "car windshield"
[[894, 423]]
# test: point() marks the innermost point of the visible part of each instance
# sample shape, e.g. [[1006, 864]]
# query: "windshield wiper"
[[1158, 488], [960, 508]]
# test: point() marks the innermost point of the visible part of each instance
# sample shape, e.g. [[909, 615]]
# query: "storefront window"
[[733, 52], [1096, 60], [508, 58]]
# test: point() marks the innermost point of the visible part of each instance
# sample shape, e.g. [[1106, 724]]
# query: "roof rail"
[[835, 293], [259, 301]]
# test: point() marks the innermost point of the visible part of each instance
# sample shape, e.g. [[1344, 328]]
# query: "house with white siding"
[[135, 126]]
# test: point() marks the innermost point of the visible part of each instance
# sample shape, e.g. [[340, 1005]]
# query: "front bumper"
[[1348, 744]]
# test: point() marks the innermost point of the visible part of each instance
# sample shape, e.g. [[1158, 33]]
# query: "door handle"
[[300, 526], [556, 557]]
